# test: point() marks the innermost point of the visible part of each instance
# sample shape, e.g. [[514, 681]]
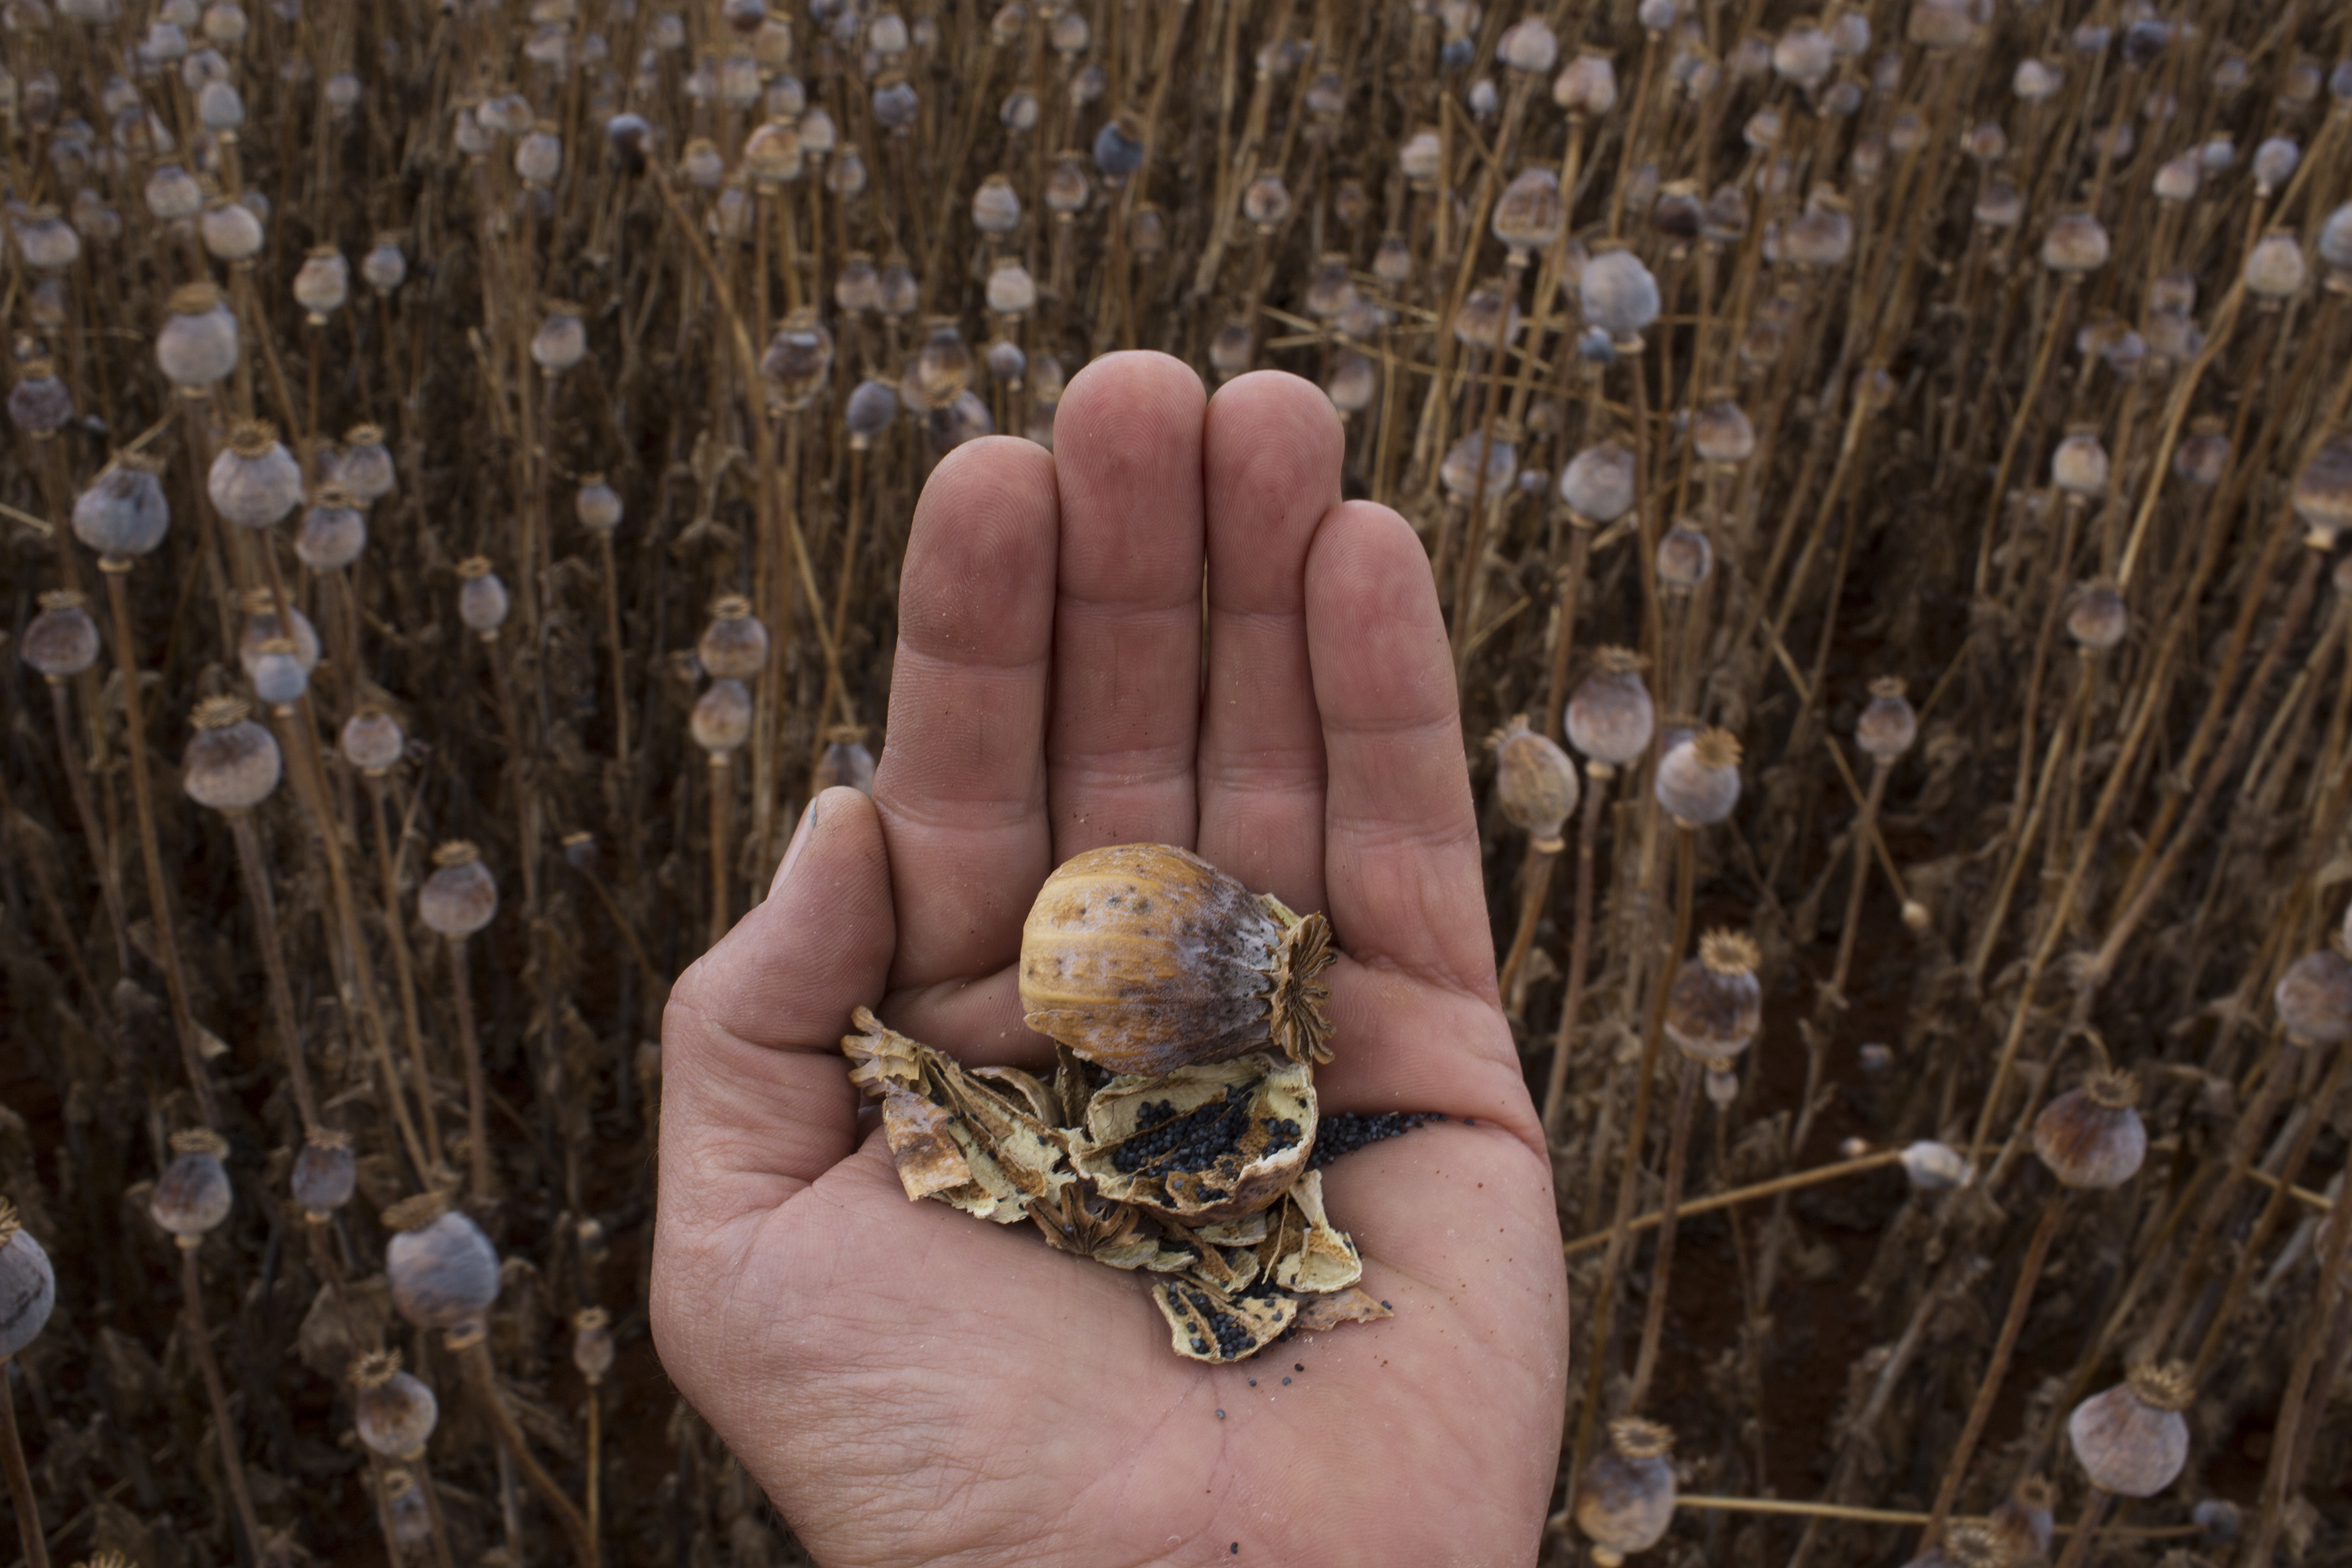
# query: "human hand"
[[914, 1387]]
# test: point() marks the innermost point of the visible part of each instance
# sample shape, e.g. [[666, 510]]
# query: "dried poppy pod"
[[124, 512], [46, 242], [2202, 453], [1497, 449], [2275, 164], [1720, 431], [965, 419], [254, 481], [62, 640], [2025, 1520], [721, 720], [1143, 957], [871, 407], [1714, 1005], [2090, 1136], [1597, 484], [1930, 1166], [372, 742], [592, 1343], [231, 763], [1535, 782], [261, 627], [1528, 214], [385, 266], [1610, 717], [2079, 465], [943, 369], [1012, 293], [1587, 85], [365, 466], [324, 1172], [1888, 725], [2275, 271], [2132, 1440], [2098, 619], [1201, 1144], [173, 194], [1966, 1545], [1698, 778], [857, 286], [394, 1411], [460, 897], [734, 644], [197, 345], [1353, 382], [995, 206], [192, 1195], [2314, 998], [2075, 243], [334, 530], [1685, 559], [597, 505], [322, 283], [442, 1269], [28, 1284], [1618, 294], [278, 674], [1626, 1498], [482, 601], [39, 403], [2322, 497], [845, 762]]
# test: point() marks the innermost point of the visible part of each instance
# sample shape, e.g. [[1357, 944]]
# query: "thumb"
[[756, 1098]]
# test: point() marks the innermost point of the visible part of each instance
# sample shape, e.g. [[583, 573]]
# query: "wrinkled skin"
[[914, 1387]]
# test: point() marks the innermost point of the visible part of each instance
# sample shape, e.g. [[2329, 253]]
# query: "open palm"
[[914, 1387]]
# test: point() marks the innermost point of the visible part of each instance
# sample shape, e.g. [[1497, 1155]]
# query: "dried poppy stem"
[[1792, 1182], [142, 794], [1597, 776], [2087, 1526], [404, 967], [722, 796], [474, 1355], [478, 1131], [20, 1480], [2028, 1273], [256, 873], [1653, 1313], [110, 884], [192, 1290]]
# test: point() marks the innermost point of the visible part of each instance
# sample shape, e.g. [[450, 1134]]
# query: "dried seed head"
[[943, 369], [2336, 245], [2098, 619], [443, 1272], [735, 644], [385, 267], [1499, 447], [2131, 1439], [2079, 465], [324, 1172], [1804, 54], [62, 640], [2274, 164], [2025, 1519], [2203, 453], [1618, 294], [1142, 957], [192, 1195], [1118, 148], [124, 512], [394, 1411], [1598, 483], [2076, 243], [1685, 559], [372, 741], [1720, 431], [1609, 716], [1353, 382], [28, 1284], [39, 403], [871, 407], [597, 505], [1393, 262], [1011, 292], [254, 481], [562, 340], [2314, 998], [1535, 782], [592, 1343], [1822, 235], [460, 897], [1698, 779], [2322, 490], [1888, 725], [2218, 1518], [482, 601], [334, 530], [995, 206], [1587, 85], [278, 674], [2276, 270], [364, 466], [1488, 318], [2092, 1136], [231, 763], [1627, 1498], [845, 762], [721, 721], [197, 344], [1931, 1166], [1716, 1005], [1529, 45], [1528, 215], [323, 282]]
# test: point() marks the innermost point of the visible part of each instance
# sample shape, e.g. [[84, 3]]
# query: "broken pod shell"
[[1203, 1143], [951, 1136], [1260, 1277], [1143, 957]]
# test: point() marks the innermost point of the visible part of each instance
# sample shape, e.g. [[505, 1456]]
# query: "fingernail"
[[793, 850]]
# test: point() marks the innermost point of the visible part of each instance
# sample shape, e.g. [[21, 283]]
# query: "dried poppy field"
[[1886, 469]]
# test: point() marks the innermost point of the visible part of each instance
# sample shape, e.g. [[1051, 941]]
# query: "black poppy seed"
[[1298, 1366], [1220, 1416], [1344, 1132], [1253, 1383], [1285, 1383], [1386, 1308], [1234, 1550]]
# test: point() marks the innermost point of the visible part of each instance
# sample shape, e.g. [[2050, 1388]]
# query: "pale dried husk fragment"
[[1201, 1144], [953, 1137]]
